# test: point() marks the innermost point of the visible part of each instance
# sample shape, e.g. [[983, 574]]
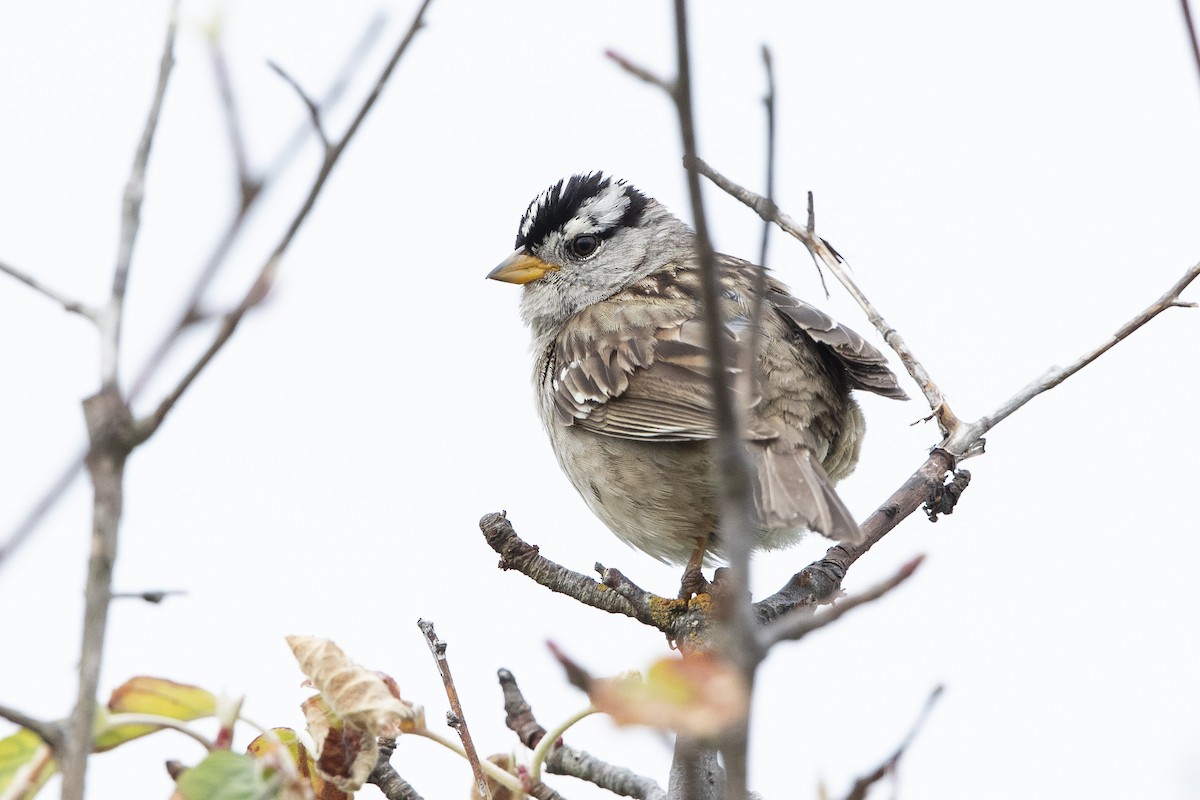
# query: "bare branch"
[[456, 718], [314, 111], [69, 305], [863, 784], [748, 368], [192, 306], [109, 425], [48, 500], [803, 621], [971, 434], [248, 186], [191, 310], [1191, 31], [565, 760], [641, 73], [769, 107], [735, 507], [49, 732], [131, 215], [695, 772], [820, 581], [829, 257], [265, 280], [385, 777], [518, 554]]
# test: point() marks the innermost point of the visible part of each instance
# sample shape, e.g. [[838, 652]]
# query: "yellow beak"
[[520, 267]]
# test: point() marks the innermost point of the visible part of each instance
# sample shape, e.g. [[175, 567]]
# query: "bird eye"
[[585, 245]]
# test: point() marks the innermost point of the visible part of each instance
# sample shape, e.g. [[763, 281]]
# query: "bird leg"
[[694, 582]]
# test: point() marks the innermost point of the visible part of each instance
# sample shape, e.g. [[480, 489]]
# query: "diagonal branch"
[[265, 280], [821, 249], [314, 109], [863, 784], [967, 437], [192, 306], [49, 732], [456, 718], [566, 760], [1191, 31], [68, 304], [802, 621]]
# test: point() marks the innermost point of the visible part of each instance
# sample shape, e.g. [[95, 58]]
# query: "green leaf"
[[26, 763], [157, 696], [223, 775], [163, 698]]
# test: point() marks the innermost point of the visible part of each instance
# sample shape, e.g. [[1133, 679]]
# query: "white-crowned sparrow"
[[621, 371]]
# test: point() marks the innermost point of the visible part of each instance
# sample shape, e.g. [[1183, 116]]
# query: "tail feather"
[[793, 491]]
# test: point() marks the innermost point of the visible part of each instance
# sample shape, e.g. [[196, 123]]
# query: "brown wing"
[[639, 371], [866, 368], [635, 366]]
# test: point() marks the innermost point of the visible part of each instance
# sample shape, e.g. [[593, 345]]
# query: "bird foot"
[[693, 583]]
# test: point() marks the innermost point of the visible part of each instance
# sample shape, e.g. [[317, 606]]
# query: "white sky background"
[[1010, 183]]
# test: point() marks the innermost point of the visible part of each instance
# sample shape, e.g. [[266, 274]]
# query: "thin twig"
[[267, 274], [68, 304], [191, 306], [640, 73], [1191, 31], [969, 435], [863, 784], [248, 185], [131, 215], [769, 108], [748, 369], [829, 257], [314, 111], [459, 720], [801, 622]]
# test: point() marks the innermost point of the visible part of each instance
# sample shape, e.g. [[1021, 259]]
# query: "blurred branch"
[[49, 732], [863, 784], [112, 432], [191, 309], [1190, 25], [769, 108], [565, 760], [314, 111], [735, 505], [110, 440], [248, 185], [72, 306], [802, 621], [265, 279], [131, 216], [455, 718]]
